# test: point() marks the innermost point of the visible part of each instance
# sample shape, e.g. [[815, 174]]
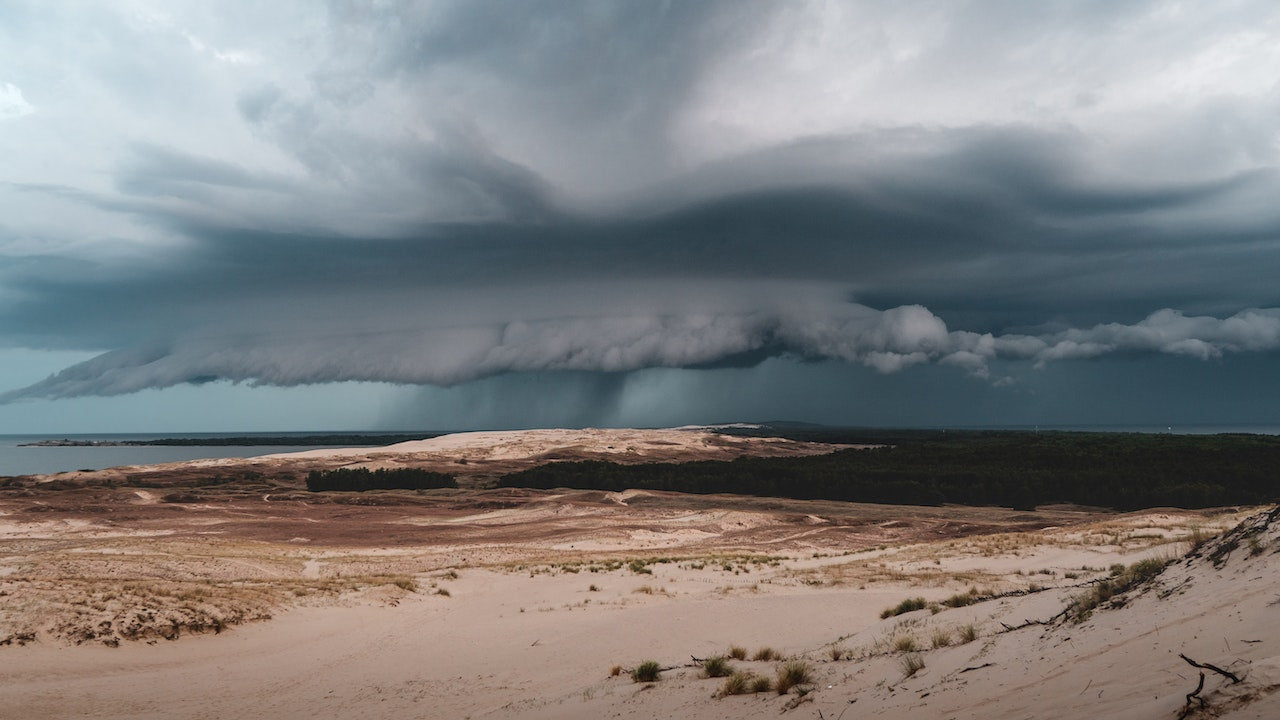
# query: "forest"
[[1124, 471], [359, 479]]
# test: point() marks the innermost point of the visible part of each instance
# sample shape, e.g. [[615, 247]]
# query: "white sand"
[[509, 643]]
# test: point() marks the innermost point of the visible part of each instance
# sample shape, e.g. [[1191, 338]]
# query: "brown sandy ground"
[[510, 603]]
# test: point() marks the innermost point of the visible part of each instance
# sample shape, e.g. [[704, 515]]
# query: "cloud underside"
[[885, 340], [431, 193]]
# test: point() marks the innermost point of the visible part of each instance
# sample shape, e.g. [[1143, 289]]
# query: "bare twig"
[[977, 667], [1026, 623], [1208, 666]]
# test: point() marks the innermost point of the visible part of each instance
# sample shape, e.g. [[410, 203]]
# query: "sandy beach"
[[488, 603]]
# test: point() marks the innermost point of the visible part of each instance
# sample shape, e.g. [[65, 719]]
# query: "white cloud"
[[433, 351], [12, 103]]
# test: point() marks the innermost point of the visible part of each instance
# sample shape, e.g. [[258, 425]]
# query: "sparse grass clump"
[[639, 567], [716, 666], [961, 599], [647, 671], [743, 682], [835, 652], [615, 671], [737, 652], [968, 633], [738, 683], [941, 638], [906, 606], [766, 653], [444, 592], [911, 664], [791, 674], [904, 643], [1122, 580], [405, 583]]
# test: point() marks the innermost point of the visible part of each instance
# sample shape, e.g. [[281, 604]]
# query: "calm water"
[[16, 460]]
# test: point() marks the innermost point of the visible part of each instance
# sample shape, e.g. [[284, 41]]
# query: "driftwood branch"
[[1193, 695], [1208, 666], [977, 667]]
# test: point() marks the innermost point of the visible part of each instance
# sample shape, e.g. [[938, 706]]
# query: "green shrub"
[[647, 671], [716, 666], [906, 606]]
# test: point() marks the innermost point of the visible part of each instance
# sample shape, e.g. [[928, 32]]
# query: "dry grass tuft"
[[766, 654], [911, 664], [791, 674], [1106, 590], [941, 638], [716, 666]]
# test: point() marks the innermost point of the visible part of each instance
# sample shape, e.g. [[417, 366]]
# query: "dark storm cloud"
[[441, 193]]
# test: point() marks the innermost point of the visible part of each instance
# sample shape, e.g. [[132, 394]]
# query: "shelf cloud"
[[434, 193]]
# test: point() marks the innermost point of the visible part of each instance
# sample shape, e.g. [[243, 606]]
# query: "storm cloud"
[[435, 193]]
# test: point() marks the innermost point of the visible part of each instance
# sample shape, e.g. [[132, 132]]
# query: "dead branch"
[[1207, 666], [977, 667], [1026, 623], [1193, 695]]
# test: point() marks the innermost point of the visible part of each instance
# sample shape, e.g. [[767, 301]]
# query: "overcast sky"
[[298, 215]]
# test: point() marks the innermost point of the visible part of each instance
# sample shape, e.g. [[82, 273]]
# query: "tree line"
[[360, 479], [1125, 471]]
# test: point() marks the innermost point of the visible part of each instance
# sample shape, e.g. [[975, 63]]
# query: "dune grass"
[[792, 673], [647, 671]]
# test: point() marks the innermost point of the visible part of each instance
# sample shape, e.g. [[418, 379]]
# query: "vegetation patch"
[[1126, 471], [906, 606], [361, 479], [911, 664], [766, 654], [791, 674], [716, 666], [647, 671], [1107, 590]]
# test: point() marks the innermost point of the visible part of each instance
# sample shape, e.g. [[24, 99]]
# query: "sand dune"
[[517, 604]]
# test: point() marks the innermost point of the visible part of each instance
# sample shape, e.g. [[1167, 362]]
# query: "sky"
[[451, 215]]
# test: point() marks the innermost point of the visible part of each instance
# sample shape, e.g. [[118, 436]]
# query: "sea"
[[17, 460]]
